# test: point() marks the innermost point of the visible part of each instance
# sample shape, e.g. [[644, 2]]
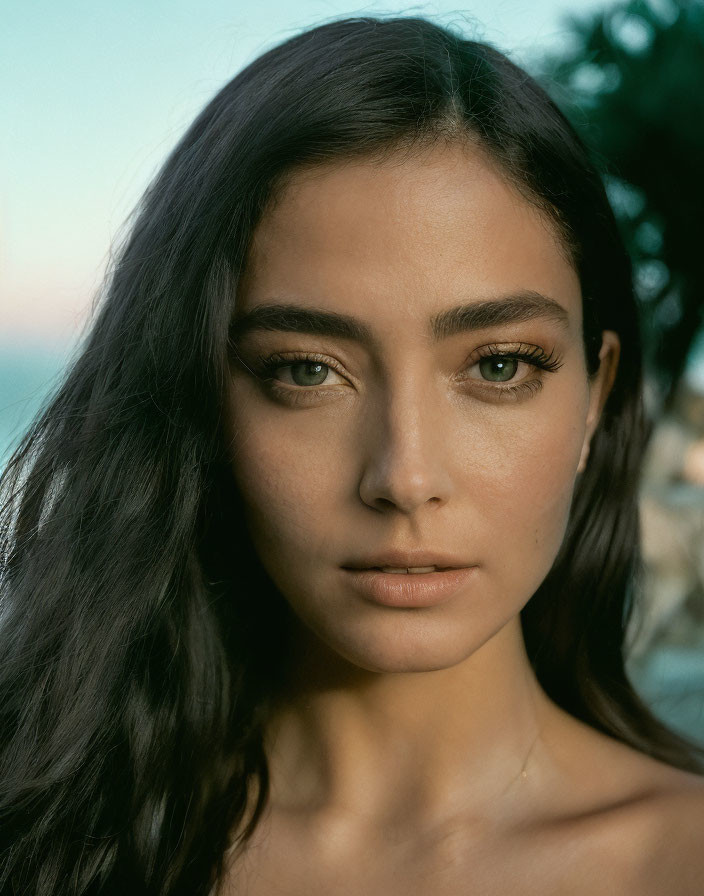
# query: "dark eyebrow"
[[289, 318]]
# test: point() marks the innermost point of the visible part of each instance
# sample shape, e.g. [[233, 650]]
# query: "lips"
[[397, 560], [409, 590], [412, 570]]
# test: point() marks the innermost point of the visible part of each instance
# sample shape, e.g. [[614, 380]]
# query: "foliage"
[[631, 80]]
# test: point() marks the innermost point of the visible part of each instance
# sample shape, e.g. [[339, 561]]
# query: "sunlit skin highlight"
[[394, 718]]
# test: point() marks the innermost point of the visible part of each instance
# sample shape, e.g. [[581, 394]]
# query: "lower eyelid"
[[301, 395], [516, 391]]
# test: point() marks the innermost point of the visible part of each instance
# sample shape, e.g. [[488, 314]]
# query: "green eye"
[[498, 369], [313, 373]]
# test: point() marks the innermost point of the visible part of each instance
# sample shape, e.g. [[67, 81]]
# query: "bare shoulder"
[[640, 819], [656, 835], [670, 827]]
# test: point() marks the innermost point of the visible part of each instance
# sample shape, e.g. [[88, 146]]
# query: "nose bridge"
[[408, 444]]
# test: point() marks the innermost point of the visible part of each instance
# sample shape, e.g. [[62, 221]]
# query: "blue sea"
[[27, 376], [670, 679]]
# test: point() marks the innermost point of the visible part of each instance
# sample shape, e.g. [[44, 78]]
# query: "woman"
[[318, 565]]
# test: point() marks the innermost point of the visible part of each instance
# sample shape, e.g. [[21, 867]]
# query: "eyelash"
[[530, 354]]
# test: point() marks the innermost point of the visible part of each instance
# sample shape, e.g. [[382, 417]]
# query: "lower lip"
[[424, 589]]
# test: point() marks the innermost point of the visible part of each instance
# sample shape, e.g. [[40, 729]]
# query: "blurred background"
[[95, 94]]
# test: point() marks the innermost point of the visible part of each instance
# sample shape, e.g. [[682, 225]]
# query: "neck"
[[421, 745]]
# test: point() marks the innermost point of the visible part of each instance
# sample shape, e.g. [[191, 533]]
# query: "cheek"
[[284, 477], [526, 492], [539, 490]]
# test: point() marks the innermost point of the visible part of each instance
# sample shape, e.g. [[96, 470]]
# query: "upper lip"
[[401, 559]]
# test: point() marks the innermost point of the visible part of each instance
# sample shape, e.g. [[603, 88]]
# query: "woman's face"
[[404, 436]]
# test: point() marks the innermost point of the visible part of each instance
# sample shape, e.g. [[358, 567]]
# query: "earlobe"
[[599, 388]]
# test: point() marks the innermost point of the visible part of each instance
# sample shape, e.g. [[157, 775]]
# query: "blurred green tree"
[[631, 79]]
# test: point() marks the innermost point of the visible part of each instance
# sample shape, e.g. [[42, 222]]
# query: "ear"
[[599, 387]]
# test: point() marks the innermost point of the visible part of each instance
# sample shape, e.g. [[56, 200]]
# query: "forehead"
[[408, 236]]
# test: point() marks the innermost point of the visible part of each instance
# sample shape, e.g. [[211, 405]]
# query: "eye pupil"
[[498, 369], [311, 369]]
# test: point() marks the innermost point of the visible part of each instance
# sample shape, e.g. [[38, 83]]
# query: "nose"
[[408, 449]]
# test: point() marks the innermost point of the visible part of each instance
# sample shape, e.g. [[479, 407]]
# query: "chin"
[[424, 648]]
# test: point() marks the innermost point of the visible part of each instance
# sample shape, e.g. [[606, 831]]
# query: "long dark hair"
[[140, 637]]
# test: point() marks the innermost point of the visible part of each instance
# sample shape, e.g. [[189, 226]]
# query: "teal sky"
[[93, 95]]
